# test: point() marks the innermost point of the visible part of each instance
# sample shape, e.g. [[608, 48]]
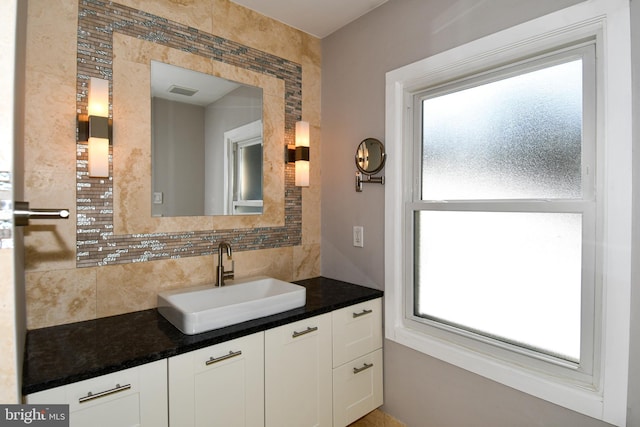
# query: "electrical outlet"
[[358, 236]]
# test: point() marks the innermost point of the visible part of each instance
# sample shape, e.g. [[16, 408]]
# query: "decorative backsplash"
[[96, 243]]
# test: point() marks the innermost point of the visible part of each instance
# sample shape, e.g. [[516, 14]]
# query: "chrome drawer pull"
[[362, 313], [309, 329], [231, 354], [90, 396], [364, 368]]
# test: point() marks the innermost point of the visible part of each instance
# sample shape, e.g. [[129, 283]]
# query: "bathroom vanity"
[[320, 364]]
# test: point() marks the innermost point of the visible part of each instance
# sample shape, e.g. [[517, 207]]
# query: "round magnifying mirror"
[[370, 156]]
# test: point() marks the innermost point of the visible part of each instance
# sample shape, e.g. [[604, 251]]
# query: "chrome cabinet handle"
[[362, 313], [117, 389], [309, 329], [364, 368], [231, 354]]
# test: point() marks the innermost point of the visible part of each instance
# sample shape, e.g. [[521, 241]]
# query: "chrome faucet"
[[220, 273]]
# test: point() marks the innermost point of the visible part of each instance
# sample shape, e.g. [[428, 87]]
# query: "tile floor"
[[377, 418]]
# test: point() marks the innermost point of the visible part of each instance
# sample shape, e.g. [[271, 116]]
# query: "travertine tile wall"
[[63, 287]]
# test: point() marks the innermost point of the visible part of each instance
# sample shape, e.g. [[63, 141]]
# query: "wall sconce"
[[300, 154], [95, 128]]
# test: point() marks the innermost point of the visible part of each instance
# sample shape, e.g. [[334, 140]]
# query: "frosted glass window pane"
[[515, 138], [251, 169], [512, 276]]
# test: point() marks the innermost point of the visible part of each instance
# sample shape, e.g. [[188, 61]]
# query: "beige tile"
[[49, 30], [237, 23], [131, 148], [311, 93], [276, 263], [306, 260], [8, 369], [311, 50], [50, 123], [60, 296], [270, 85], [131, 287], [50, 244]]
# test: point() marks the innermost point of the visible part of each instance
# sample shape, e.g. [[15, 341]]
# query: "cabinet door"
[[357, 388], [131, 397], [298, 374], [357, 330], [221, 385]]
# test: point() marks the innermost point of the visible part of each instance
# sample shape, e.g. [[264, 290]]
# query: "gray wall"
[[419, 390], [237, 108], [178, 157]]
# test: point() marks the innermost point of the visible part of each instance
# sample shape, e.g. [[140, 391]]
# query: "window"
[[500, 196], [504, 219], [243, 169]]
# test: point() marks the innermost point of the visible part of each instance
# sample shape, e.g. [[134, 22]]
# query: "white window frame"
[[608, 21], [585, 206]]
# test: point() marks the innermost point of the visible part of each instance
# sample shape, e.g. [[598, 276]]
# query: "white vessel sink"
[[203, 308]]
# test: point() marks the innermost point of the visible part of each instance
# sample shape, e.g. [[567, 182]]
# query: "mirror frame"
[[132, 131]]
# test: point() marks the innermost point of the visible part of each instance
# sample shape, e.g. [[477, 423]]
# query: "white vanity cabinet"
[[321, 371], [219, 386], [298, 384], [357, 361], [131, 397]]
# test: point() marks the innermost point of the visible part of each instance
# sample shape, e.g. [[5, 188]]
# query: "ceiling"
[[316, 17], [206, 88]]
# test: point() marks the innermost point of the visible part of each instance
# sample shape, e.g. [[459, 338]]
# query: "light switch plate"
[[157, 197], [358, 236]]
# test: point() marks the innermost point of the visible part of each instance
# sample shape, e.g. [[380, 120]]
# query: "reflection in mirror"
[[207, 146]]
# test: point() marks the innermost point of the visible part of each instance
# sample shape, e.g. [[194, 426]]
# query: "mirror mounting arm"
[[361, 179]]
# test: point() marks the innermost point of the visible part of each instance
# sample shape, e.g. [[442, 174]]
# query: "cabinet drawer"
[[357, 388], [131, 397], [357, 330]]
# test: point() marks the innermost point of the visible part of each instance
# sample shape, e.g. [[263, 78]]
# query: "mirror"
[[370, 158], [206, 144]]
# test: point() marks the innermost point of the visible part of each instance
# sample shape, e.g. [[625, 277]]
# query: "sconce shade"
[[98, 149], [302, 154], [98, 100]]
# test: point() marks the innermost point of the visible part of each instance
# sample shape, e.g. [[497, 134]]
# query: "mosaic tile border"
[[96, 244], [6, 210]]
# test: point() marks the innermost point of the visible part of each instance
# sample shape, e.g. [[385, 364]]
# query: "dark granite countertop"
[[64, 354]]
